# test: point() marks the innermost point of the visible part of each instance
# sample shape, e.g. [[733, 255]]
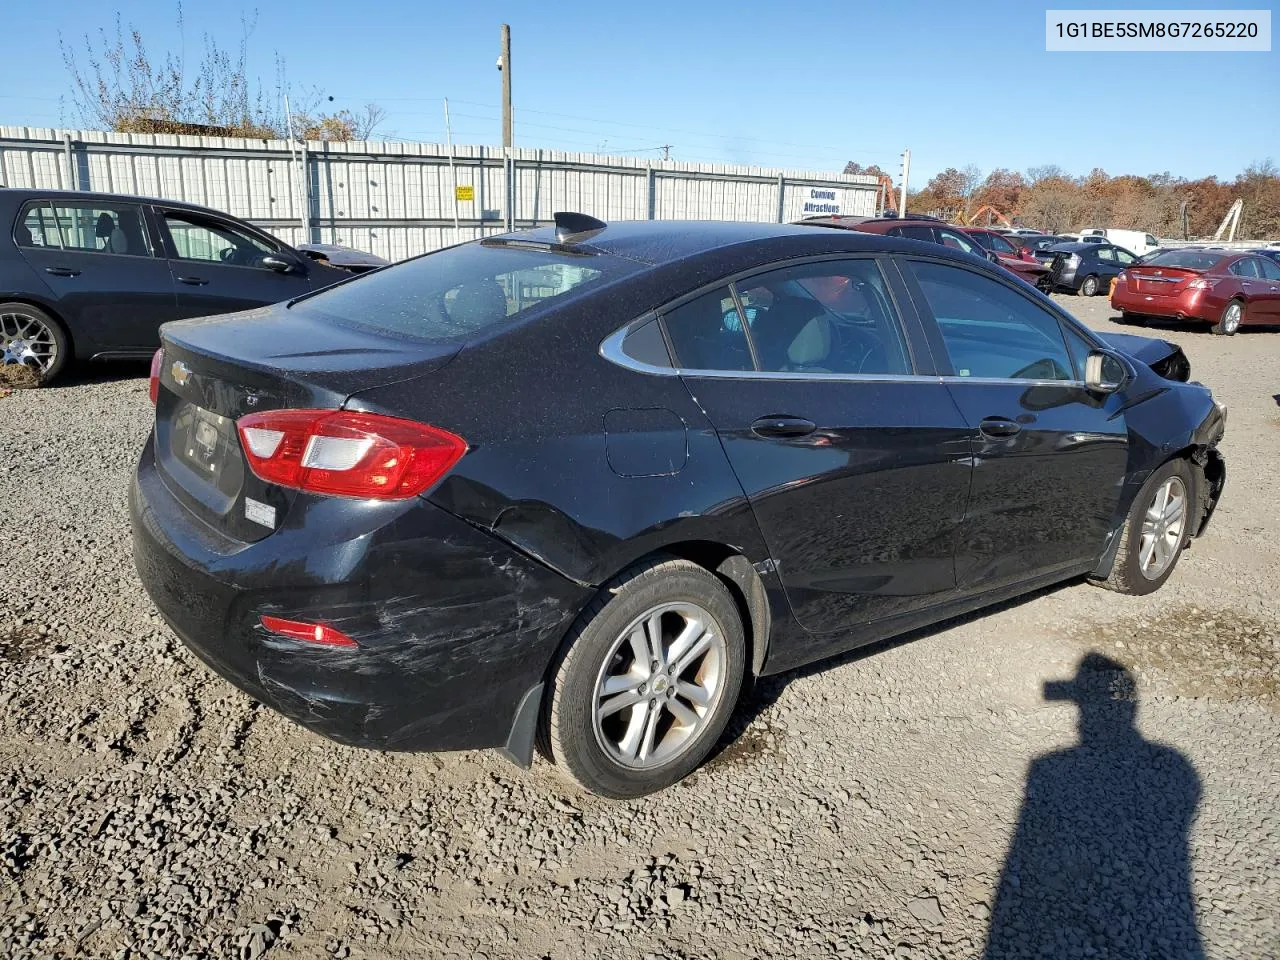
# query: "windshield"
[[459, 292], [1185, 259]]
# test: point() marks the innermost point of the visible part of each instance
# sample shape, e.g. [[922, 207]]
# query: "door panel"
[[217, 267], [860, 513], [1049, 458], [95, 257], [1048, 466], [856, 468]]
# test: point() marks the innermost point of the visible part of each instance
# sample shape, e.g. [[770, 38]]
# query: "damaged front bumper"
[[453, 628]]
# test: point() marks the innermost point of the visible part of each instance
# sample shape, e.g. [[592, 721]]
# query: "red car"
[[935, 231], [1218, 287], [1017, 260]]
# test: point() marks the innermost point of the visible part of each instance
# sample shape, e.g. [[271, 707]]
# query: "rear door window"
[[463, 291], [103, 227], [707, 333], [991, 331], [1107, 253], [1247, 267]]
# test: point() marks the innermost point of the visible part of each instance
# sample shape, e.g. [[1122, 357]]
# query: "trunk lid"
[[1160, 281], [218, 369]]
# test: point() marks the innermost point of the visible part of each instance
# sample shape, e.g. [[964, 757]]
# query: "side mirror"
[[280, 264], [1103, 372]]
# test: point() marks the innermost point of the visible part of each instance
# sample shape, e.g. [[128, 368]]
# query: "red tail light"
[[153, 388], [347, 454], [320, 633]]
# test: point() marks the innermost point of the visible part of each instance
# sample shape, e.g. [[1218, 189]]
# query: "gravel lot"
[[867, 807]]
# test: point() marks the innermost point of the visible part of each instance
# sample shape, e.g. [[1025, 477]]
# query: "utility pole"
[[666, 151], [902, 192], [504, 64]]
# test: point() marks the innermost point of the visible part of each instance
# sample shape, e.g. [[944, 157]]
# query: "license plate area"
[[205, 443]]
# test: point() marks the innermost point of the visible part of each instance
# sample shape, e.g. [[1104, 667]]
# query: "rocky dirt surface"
[[877, 806]]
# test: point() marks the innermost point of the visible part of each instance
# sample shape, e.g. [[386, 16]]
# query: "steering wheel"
[[228, 254]]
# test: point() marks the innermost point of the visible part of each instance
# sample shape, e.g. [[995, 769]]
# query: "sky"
[[806, 85]]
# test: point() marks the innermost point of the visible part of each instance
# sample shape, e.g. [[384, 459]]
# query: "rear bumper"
[[1191, 305], [452, 626]]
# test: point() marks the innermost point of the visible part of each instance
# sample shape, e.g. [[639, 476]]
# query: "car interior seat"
[[794, 333]]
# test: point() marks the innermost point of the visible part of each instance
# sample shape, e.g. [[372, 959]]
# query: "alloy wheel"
[[660, 684], [1162, 528], [26, 339], [1231, 318]]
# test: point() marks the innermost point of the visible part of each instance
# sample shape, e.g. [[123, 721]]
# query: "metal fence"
[[402, 199]]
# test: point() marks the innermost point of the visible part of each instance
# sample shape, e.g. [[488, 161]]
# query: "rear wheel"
[[1089, 286], [647, 680], [1155, 532], [32, 343], [1229, 322]]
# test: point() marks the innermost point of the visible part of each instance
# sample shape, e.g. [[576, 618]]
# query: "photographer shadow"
[[1099, 865]]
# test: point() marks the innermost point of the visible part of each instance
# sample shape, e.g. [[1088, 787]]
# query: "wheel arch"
[[45, 307], [1208, 473]]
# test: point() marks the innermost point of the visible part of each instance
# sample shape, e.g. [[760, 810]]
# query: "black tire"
[[1229, 322], [569, 728], [1127, 575], [13, 313], [1088, 286]]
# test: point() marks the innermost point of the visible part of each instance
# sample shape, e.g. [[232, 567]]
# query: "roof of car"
[[662, 241], [22, 194]]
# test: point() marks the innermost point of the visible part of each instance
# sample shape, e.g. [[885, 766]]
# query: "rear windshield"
[[1187, 259], [457, 293]]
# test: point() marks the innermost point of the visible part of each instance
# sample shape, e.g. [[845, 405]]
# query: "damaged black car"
[[572, 488]]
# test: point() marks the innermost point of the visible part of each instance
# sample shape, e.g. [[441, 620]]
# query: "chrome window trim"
[[611, 350]]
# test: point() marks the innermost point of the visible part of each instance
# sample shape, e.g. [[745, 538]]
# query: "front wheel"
[[1155, 532], [1230, 320], [1089, 287], [647, 680]]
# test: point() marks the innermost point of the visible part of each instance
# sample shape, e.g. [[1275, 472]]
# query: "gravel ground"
[[921, 800]]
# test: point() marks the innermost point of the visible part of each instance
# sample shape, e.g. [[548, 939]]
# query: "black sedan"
[[93, 275], [1085, 269], [575, 485]]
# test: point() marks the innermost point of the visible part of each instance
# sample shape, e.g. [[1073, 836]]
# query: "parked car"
[[1086, 268], [1271, 253], [1222, 288], [574, 485], [1017, 231], [1136, 241], [93, 275], [1011, 257], [1037, 246], [929, 229]]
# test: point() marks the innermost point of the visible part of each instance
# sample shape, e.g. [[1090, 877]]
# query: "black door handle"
[[783, 427], [193, 281], [62, 271], [999, 427]]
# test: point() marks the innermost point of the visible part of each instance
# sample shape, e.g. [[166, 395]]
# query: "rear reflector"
[[320, 633], [153, 388], [347, 454]]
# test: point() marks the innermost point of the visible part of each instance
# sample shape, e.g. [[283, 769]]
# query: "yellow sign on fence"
[[465, 193]]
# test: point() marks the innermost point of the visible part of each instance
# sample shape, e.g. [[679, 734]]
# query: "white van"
[[1135, 241]]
